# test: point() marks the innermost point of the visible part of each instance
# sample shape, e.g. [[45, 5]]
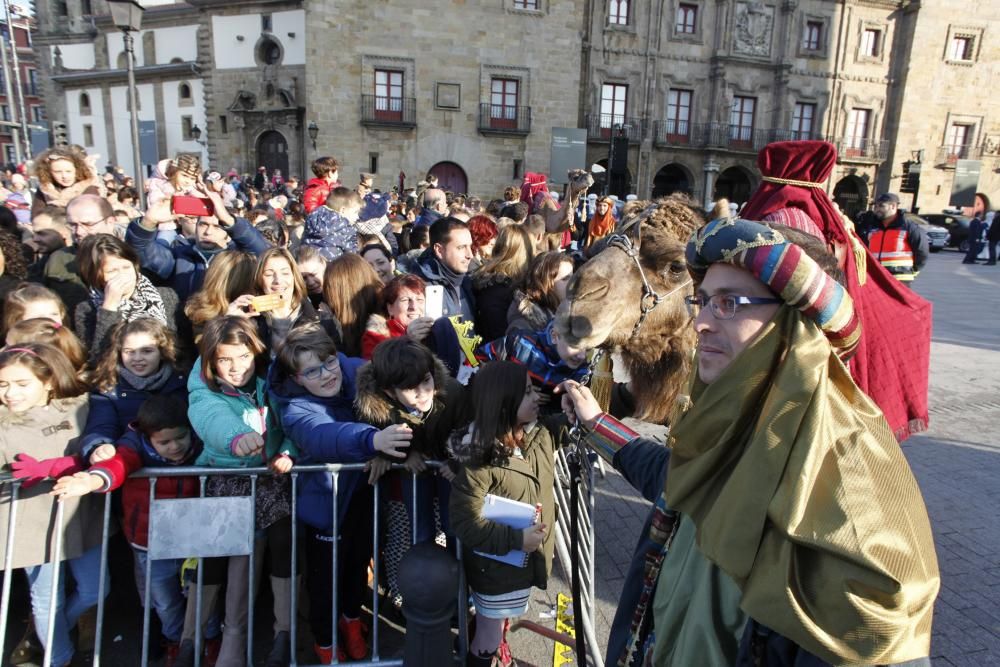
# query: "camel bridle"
[[650, 297]]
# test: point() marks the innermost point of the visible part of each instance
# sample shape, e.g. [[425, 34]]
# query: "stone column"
[[711, 169]]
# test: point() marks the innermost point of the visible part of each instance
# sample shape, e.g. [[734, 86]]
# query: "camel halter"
[[650, 297]]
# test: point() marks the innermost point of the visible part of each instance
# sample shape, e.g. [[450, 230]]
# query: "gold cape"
[[801, 494]]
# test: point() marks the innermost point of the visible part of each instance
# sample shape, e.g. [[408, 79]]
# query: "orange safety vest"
[[891, 248]]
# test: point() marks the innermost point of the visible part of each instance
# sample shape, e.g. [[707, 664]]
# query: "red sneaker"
[[354, 637], [212, 648]]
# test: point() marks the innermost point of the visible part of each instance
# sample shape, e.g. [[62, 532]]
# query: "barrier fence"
[[228, 529]]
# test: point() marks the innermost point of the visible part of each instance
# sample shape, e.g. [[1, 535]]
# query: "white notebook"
[[511, 513]]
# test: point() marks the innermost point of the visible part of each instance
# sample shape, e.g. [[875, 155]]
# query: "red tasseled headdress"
[[892, 362]]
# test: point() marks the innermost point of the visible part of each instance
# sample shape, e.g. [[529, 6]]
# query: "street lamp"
[[127, 17], [196, 135], [313, 130]]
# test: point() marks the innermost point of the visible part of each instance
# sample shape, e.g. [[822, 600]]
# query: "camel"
[[560, 219], [603, 301]]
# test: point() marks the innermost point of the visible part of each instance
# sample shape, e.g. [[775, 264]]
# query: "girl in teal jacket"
[[229, 410]]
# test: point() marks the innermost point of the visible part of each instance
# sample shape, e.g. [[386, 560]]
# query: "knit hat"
[[375, 206], [189, 165], [785, 268]]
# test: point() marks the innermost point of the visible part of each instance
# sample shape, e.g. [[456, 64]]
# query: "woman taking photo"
[[403, 314], [230, 275]]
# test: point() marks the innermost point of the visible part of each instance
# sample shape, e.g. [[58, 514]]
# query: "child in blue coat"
[[230, 412], [140, 363], [314, 387]]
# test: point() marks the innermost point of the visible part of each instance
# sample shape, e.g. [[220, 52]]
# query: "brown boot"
[[29, 649]]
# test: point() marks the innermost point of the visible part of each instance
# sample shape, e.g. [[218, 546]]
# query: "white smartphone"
[[434, 301]]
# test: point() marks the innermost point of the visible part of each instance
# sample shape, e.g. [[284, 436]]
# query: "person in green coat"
[[508, 453]]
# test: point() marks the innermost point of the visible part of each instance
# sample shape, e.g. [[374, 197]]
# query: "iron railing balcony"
[[502, 119], [736, 138], [947, 156], [676, 133], [858, 149], [601, 127], [391, 112]]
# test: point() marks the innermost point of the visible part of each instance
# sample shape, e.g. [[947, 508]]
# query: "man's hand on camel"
[[579, 403]]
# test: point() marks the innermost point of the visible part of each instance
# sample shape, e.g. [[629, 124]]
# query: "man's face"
[[85, 218], [457, 252], [210, 235], [721, 341], [885, 210]]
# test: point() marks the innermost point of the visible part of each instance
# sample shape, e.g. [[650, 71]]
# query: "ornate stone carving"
[[753, 29]]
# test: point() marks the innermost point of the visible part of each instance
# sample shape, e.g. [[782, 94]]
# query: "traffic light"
[[911, 177], [60, 134]]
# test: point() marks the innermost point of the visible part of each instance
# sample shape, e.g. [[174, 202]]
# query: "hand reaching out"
[[102, 453], [76, 485], [579, 403], [393, 439], [377, 467]]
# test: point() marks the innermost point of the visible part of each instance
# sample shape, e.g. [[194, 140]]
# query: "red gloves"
[[33, 471]]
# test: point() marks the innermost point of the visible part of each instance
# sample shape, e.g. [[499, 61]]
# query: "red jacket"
[[378, 330], [134, 452], [316, 192]]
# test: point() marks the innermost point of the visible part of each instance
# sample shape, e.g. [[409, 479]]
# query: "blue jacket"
[[427, 218], [183, 264], [330, 233], [218, 417], [112, 411], [324, 430]]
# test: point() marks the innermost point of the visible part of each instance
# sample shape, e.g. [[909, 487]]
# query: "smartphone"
[[265, 302], [191, 206], [434, 301]]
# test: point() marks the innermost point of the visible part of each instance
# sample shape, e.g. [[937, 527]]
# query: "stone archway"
[[272, 152], [670, 179], [450, 177], [851, 195], [733, 184]]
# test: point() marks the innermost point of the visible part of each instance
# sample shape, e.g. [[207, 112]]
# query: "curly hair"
[[105, 375], [78, 158], [14, 263]]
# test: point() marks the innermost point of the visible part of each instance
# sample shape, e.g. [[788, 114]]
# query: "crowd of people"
[[238, 322]]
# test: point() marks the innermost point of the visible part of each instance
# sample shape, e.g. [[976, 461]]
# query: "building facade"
[[29, 94], [686, 91]]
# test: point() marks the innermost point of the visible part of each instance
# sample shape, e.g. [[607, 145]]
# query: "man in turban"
[[787, 527]]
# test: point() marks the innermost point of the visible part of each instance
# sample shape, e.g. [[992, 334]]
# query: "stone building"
[[30, 96], [472, 90]]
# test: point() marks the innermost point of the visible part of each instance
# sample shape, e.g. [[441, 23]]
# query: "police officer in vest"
[[898, 244]]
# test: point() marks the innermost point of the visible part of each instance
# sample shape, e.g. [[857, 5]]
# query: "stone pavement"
[[957, 463]]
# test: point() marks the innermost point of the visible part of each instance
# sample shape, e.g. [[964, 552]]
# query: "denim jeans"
[[168, 596], [86, 573], [429, 485]]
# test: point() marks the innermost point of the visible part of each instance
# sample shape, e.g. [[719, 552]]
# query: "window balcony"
[[600, 127], [501, 119], [856, 149], [947, 156], [676, 133], [735, 138], [389, 112]]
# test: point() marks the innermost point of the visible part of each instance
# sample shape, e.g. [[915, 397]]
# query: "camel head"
[[604, 300]]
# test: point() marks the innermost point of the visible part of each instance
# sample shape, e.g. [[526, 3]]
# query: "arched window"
[[84, 104], [184, 97]]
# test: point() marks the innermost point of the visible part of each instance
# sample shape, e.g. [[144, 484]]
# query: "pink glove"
[[33, 471]]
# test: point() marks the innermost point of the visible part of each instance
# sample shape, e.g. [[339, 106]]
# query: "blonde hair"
[[46, 158], [299, 292], [512, 254], [230, 275]]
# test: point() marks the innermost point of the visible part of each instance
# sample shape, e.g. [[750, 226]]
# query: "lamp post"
[[313, 130], [127, 17]]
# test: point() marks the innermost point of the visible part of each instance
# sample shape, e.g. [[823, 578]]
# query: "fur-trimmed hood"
[[524, 309], [375, 407]]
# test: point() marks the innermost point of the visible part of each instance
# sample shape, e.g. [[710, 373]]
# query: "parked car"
[[957, 226], [937, 236]]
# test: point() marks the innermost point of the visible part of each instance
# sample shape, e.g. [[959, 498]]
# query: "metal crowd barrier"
[[585, 547], [170, 536]]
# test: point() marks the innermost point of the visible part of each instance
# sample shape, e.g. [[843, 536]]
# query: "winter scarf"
[[144, 302], [151, 383]]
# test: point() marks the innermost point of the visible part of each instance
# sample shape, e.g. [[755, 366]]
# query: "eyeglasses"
[[85, 223], [724, 306], [331, 365]]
